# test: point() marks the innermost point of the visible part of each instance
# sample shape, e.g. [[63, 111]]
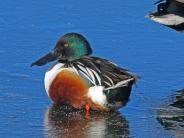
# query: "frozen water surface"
[[117, 30]]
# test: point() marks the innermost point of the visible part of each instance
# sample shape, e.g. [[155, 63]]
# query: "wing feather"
[[104, 72]]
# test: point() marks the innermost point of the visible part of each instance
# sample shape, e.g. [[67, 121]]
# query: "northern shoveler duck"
[[84, 81], [169, 13]]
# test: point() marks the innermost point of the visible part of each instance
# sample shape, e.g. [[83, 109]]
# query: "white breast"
[[51, 74]]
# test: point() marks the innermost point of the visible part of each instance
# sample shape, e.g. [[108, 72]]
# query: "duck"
[[84, 81], [169, 13]]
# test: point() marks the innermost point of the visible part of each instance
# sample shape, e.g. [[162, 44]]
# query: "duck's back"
[[103, 72], [117, 82]]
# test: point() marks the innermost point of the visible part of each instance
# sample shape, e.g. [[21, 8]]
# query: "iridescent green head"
[[69, 47]]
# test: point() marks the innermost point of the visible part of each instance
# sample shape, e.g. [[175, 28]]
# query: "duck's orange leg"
[[87, 107]]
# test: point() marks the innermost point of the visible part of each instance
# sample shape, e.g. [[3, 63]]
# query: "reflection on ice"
[[172, 116], [63, 121]]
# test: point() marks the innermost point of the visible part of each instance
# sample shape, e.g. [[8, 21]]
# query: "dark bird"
[[169, 13]]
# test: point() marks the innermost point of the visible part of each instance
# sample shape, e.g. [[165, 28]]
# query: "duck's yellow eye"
[[66, 45]]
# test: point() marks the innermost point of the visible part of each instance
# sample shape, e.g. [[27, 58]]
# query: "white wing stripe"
[[91, 75], [97, 76], [75, 70], [107, 83], [87, 77], [84, 70], [80, 63], [120, 84], [109, 79]]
